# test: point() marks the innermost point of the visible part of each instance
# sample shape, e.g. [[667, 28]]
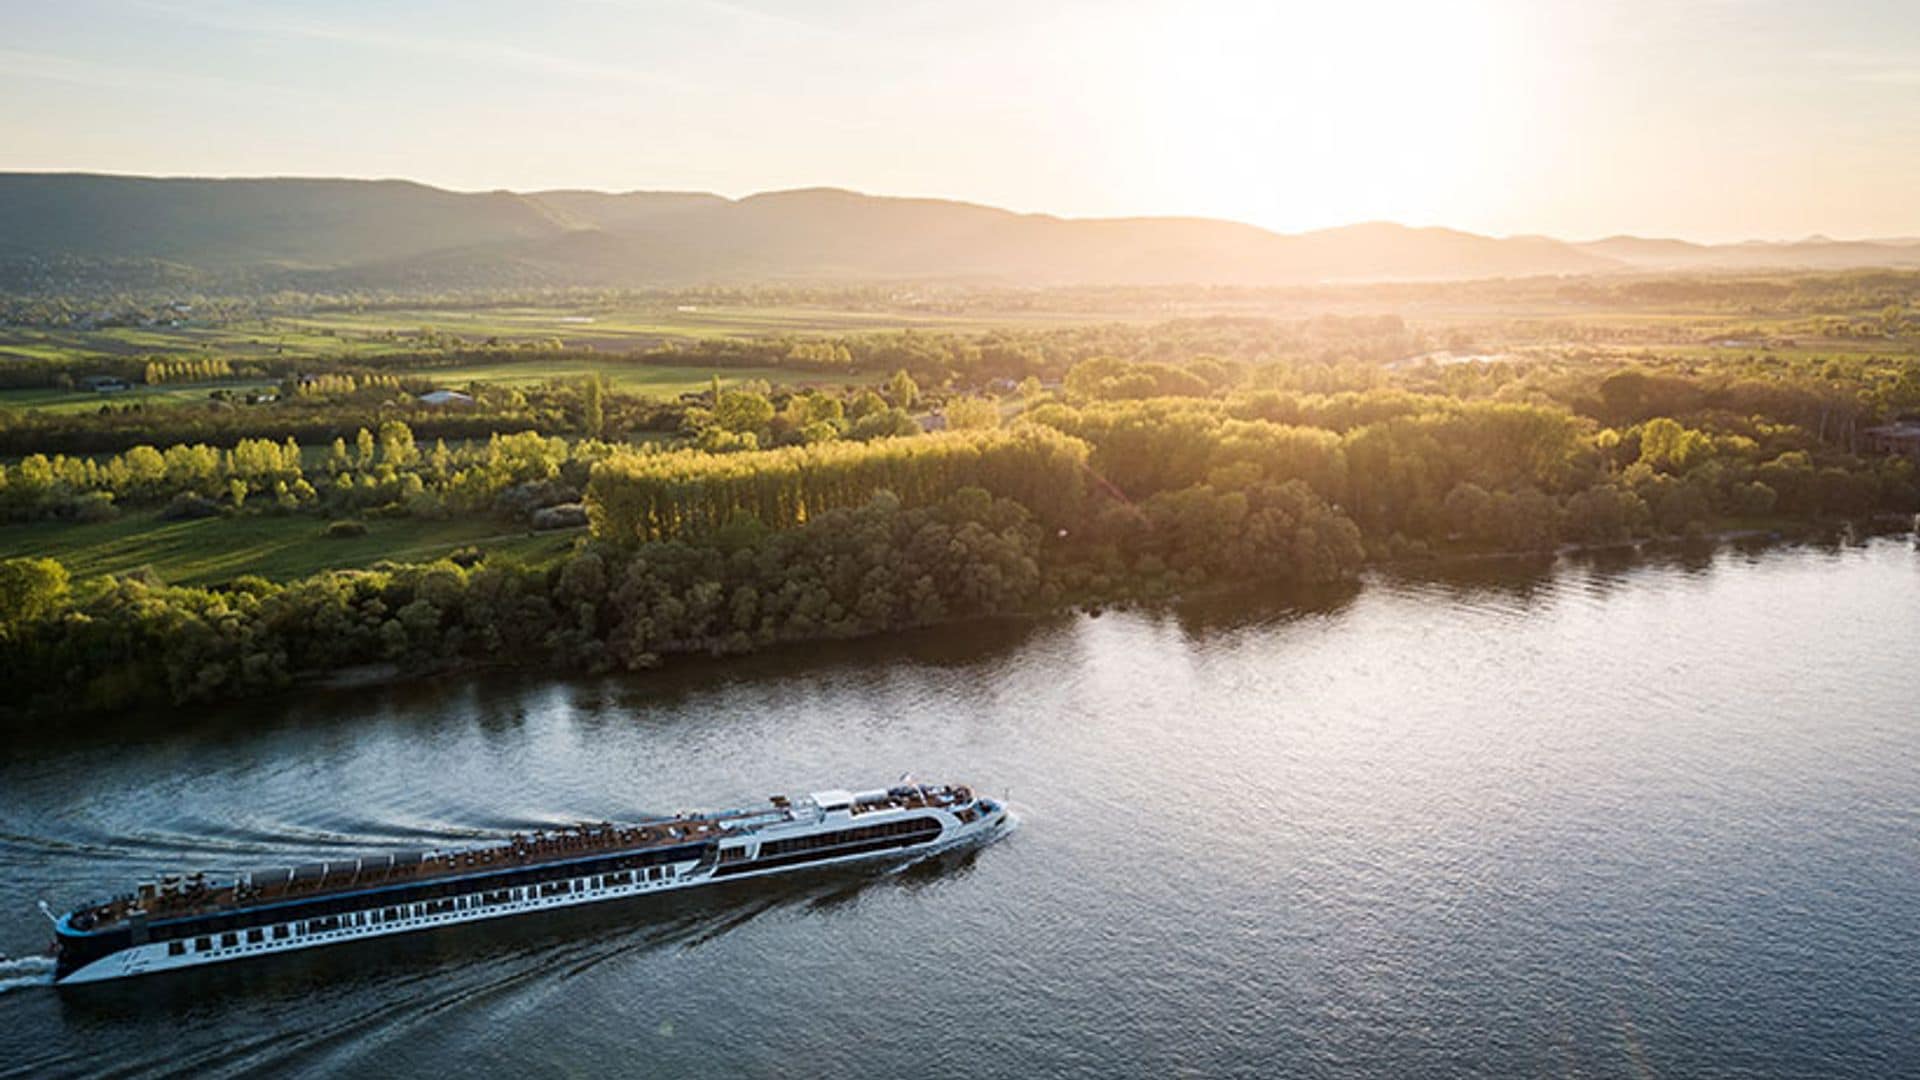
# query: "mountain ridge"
[[383, 233]]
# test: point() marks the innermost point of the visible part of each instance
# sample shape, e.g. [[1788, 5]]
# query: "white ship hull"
[[383, 919]]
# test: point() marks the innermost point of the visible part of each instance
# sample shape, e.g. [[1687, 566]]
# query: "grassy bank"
[[211, 550]]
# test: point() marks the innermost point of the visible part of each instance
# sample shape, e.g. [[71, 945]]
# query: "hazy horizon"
[[952, 199], [1716, 121]]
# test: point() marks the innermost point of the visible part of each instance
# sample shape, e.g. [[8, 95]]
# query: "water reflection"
[[500, 703], [1228, 612], [1266, 833]]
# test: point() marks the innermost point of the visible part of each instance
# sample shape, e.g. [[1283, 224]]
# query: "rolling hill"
[[320, 233]]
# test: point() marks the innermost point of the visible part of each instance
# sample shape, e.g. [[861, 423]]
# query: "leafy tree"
[[593, 405], [743, 412], [972, 413], [396, 445], [865, 404], [902, 391], [30, 589]]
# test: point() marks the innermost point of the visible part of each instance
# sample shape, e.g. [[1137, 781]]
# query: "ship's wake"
[[335, 1009], [20, 972]]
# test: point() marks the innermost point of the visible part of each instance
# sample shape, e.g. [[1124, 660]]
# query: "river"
[[1608, 817]]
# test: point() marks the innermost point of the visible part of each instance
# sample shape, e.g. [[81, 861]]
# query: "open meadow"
[[211, 550]]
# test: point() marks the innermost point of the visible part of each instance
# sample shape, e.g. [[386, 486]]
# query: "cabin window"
[[176, 948], [280, 932], [228, 941], [202, 944], [255, 937]]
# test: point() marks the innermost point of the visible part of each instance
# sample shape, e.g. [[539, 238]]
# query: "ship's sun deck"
[[177, 896]]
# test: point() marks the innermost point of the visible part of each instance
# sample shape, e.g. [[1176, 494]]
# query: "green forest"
[[877, 481]]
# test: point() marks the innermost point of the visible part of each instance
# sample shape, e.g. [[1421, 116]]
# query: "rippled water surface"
[[1604, 819]]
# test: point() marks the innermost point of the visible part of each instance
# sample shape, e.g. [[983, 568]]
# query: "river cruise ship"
[[189, 921]]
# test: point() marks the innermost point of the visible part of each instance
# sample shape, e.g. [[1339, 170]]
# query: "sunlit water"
[[1605, 819]]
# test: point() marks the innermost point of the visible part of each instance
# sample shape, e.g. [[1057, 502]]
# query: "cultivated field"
[[216, 549]]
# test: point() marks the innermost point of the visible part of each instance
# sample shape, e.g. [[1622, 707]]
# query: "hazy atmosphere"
[[998, 540], [1713, 120]]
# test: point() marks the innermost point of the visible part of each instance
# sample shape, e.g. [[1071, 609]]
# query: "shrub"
[[188, 505], [94, 507]]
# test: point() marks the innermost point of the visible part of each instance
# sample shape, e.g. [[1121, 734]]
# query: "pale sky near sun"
[[1707, 119]]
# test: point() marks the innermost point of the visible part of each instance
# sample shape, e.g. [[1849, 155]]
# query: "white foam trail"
[[23, 971]]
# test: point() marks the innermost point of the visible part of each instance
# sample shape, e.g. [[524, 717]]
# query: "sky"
[[1704, 119]]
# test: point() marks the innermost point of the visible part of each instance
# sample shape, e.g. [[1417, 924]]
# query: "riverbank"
[[1277, 589]]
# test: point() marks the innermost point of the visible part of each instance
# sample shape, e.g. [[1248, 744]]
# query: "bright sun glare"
[[1300, 116]]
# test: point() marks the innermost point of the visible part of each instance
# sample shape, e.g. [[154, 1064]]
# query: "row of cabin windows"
[[295, 912], [492, 898], [925, 825], [834, 851]]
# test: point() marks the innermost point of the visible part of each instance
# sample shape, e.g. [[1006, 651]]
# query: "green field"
[[650, 380], [53, 400], [209, 550], [618, 326], [255, 338], [371, 334], [665, 381]]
